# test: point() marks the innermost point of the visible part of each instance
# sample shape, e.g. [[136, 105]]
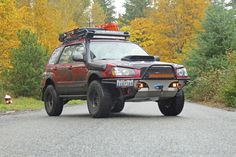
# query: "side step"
[[82, 97]]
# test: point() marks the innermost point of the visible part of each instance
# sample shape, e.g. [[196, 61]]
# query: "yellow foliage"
[[98, 15], [170, 28], [10, 23], [92, 16], [45, 19], [142, 33], [41, 18]]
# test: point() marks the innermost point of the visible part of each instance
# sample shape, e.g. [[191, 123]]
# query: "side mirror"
[[78, 57], [157, 58]]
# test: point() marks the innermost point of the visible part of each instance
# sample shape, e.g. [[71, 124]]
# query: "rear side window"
[[55, 56]]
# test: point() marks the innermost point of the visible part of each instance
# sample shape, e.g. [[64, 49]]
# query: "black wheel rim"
[[49, 102], [95, 99]]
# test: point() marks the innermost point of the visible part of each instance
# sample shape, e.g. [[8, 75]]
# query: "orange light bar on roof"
[[109, 26]]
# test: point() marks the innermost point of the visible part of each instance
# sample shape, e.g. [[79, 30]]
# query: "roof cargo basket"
[[80, 33]]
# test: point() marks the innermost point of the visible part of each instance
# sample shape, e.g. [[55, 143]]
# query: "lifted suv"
[[105, 69]]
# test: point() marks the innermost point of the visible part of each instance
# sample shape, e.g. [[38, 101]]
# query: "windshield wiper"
[[106, 59]]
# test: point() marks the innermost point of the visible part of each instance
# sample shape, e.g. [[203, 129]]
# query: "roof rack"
[[77, 34]]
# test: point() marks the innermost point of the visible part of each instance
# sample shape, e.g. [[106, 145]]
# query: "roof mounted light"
[[109, 26]]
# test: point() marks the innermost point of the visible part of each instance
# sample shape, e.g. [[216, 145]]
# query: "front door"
[[79, 71]]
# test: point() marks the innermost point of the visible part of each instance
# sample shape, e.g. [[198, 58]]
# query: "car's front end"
[[146, 80]]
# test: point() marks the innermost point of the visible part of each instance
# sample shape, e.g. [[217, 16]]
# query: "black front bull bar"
[[144, 75]]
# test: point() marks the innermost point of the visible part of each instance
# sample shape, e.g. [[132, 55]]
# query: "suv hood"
[[129, 64]]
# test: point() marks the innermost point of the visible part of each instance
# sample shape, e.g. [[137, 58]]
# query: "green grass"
[[76, 102], [22, 103]]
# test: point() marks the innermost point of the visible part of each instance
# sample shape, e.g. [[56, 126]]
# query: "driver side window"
[[66, 56], [77, 50]]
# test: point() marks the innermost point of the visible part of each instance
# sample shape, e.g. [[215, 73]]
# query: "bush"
[[1, 91], [205, 87], [28, 62], [212, 65], [228, 93]]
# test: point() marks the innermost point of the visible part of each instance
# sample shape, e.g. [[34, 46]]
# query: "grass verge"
[[22, 104], [76, 102]]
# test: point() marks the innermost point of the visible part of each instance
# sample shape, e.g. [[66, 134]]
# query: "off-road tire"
[[53, 104], [172, 106], [118, 107], [99, 100]]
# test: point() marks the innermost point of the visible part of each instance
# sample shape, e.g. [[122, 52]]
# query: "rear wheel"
[[53, 104], [118, 107], [99, 100], [172, 106]]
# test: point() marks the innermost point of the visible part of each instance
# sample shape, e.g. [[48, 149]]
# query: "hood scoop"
[[138, 58]]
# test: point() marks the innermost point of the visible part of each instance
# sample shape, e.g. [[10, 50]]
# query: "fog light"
[[175, 85], [141, 85]]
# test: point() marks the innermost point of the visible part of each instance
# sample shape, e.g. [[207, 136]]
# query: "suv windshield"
[[114, 50]]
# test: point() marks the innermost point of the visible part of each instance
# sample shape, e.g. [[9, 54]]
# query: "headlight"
[[182, 72], [118, 71]]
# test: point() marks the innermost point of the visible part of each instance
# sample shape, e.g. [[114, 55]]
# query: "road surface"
[[140, 130]]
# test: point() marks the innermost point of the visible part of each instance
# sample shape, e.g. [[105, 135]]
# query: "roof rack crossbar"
[[77, 34]]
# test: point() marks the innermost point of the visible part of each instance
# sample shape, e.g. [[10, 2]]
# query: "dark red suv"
[[107, 70]]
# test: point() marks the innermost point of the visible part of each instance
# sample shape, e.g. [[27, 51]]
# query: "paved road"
[[140, 130]]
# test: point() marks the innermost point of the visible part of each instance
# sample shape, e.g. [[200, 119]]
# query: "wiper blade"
[[106, 59]]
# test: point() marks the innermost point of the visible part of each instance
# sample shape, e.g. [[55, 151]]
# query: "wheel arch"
[[92, 77], [48, 82]]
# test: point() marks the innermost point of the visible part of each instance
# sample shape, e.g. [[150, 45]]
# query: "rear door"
[[63, 73], [52, 65]]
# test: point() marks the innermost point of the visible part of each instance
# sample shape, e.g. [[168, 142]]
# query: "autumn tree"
[[48, 18], [93, 15], [142, 32], [98, 15], [108, 8], [71, 11], [177, 22], [135, 9], [10, 22]]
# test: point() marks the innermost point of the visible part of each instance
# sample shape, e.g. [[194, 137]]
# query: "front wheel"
[[172, 106], [53, 104], [118, 107], [99, 100]]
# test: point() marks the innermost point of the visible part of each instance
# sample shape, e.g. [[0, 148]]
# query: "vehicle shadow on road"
[[123, 116]]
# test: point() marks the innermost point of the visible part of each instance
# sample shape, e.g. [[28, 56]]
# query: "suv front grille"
[[158, 72]]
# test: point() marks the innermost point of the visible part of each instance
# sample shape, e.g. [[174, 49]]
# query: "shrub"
[[228, 93], [212, 64]]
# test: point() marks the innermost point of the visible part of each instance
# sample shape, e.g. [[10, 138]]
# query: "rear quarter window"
[[55, 56]]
